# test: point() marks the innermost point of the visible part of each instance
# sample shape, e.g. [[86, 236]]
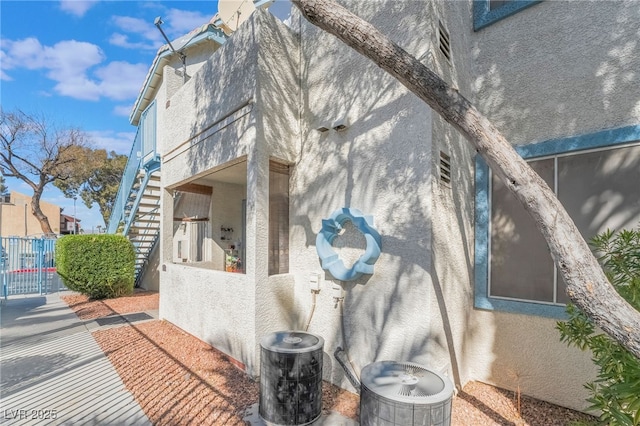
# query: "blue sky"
[[82, 63]]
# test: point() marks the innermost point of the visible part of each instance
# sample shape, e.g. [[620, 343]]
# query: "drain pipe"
[[343, 359], [314, 296], [342, 355]]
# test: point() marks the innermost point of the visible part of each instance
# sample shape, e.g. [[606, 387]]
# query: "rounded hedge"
[[99, 266]]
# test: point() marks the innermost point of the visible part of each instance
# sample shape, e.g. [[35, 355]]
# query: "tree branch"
[[587, 285]]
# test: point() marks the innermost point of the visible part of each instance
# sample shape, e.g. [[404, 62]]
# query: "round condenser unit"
[[403, 394], [291, 377]]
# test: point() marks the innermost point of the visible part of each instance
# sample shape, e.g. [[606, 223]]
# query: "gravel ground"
[[180, 380]]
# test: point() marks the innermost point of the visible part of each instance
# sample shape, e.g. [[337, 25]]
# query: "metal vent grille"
[[404, 394], [291, 378], [444, 41], [445, 168]]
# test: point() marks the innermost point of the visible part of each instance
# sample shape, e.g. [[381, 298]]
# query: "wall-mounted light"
[[340, 124]]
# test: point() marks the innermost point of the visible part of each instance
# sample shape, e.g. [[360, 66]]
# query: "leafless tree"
[[38, 153]]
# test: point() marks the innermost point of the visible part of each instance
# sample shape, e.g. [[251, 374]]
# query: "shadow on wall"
[[535, 83], [383, 165]]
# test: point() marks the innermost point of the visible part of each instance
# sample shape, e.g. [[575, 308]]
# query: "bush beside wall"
[[99, 266]]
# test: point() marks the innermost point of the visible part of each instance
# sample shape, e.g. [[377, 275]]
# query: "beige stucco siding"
[[559, 68], [380, 165], [553, 70], [547, 71], [19, 221], [220, 117]]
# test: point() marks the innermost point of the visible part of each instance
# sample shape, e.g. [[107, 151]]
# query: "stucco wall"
[[555, 69], [559, 68], [214, 306], [418, 306], [212, 121], [381, 164]]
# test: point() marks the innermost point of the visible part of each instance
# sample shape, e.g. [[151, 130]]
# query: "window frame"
[[483, 16], [609, 138]]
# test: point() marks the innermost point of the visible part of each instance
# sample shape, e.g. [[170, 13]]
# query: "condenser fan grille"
[[403, 394], [291, 378], [407, 382]]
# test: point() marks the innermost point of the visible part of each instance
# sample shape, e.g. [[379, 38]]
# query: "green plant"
[[616, 390], [99, 266]]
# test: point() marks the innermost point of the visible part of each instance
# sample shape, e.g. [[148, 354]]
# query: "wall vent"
[[444, 41], [445, 168]]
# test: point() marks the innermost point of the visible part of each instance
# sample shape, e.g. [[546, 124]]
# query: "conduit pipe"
[[342, 355], [314, 296]]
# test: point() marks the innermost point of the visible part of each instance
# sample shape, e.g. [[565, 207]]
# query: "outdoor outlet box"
[[336, 290], [314, 281]]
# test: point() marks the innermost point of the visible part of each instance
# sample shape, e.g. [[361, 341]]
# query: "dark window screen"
[[521, 266]]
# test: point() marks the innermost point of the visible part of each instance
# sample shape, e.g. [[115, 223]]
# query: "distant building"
[[17, 220], [68, 223]]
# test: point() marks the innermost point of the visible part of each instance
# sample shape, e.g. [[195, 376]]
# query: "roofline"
[[211, 32], [163, 57]]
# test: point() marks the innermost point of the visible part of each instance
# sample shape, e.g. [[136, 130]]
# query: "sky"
[[81, 64]]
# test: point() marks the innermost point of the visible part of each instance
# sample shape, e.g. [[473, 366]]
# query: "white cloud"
[[122, 110], [120, 142], [76, 7], [176, 24], [122, 40], [151, 38], [121, 80], [180, 22], [3, 58], [73, 66]]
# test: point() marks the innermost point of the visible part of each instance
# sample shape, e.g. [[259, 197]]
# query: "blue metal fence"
[[27, 266]]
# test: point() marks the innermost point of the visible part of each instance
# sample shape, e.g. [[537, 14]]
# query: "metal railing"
[[143, 153], [27, 266]]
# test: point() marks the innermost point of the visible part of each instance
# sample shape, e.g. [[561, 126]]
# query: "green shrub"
[[99, 266], [616, 391]]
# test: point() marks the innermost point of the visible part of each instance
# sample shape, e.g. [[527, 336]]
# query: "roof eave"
[[154, 76]]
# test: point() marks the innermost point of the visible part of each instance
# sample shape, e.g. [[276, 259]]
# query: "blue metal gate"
[[27, 266]]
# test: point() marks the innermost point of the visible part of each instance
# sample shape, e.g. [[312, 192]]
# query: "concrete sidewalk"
[[52, 371]]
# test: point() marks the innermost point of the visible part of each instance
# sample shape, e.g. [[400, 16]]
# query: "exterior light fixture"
[[340, 125]]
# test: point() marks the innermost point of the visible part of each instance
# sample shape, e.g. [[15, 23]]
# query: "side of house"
[[282, 126]]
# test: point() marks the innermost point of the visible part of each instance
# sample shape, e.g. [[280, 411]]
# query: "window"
[[278, 218], [192, 225], [596, 181], [486, 12]]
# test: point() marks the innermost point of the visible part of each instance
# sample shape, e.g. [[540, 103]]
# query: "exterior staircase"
[[143, 224], [136, 210]]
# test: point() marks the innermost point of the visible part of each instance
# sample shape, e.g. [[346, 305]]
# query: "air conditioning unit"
[[404, 394], [291, 378]]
